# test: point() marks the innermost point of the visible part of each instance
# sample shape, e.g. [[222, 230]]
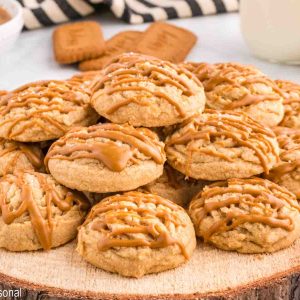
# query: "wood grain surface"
[[211, 274]]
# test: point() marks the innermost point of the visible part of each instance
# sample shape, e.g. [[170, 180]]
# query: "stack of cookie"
[[136, 139]]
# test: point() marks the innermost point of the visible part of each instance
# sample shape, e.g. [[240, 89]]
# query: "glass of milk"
[[271, 29]]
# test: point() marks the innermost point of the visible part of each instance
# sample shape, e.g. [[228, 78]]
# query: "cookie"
[[174, 186], [37, 212], [218, 145], [85, 80], [146, 91], [44, 110], [2, 93], [77, 41], [106, 158], [167, 42], [17, 156], [122, 42], [291, 102], [287, 171], [134, 234], [232, 86], [246, 215]]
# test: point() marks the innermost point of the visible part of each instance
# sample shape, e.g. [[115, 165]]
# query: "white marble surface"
[[219, 39]]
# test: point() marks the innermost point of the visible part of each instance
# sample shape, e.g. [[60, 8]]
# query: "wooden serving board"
[[211, 273]]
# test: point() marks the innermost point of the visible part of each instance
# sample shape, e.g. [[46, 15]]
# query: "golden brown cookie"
[[106, 158], [2, 93], [122, 42], [218, 145], [146, 91], [37, 212], [85, 80], [44, 110], [77, 41], [246, 215], [18, 156], [174, 186], [134, 234], [232, 86], [287, 172], [291, 102]]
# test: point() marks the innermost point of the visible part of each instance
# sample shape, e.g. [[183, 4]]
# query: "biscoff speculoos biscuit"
[[120, 43], [167, 42], [77, 41]]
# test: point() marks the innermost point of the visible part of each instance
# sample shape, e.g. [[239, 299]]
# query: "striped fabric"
[[40, 13]]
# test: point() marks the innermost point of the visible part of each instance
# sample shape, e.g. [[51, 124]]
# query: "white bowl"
[[10, 31]]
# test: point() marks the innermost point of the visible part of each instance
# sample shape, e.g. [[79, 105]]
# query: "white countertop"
[[219, 39]]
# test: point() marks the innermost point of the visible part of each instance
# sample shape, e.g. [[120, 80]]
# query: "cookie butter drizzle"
[[42, 225], [121, 145], [237, 77], [289, 142], [220, 125], [43, 97], [129, 71], [32, 153], [142, 220], [288, 138], [291, 100], [255, 193], [85, 80]]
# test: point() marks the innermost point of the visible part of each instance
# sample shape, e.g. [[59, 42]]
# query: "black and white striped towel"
[[40, 13]]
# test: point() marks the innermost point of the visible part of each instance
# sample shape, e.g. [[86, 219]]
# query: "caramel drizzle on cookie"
[[38, 99], [291, 100], [143, 220], [291, 91], [42, 221], [237, 77], [121, 144], [288, 138], [284, 168], [85, 80], [32, 153], [256, 193], [127, 72], [220, 125], [289, 142]]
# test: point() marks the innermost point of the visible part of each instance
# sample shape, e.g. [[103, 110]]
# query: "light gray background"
[[219, 40]]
